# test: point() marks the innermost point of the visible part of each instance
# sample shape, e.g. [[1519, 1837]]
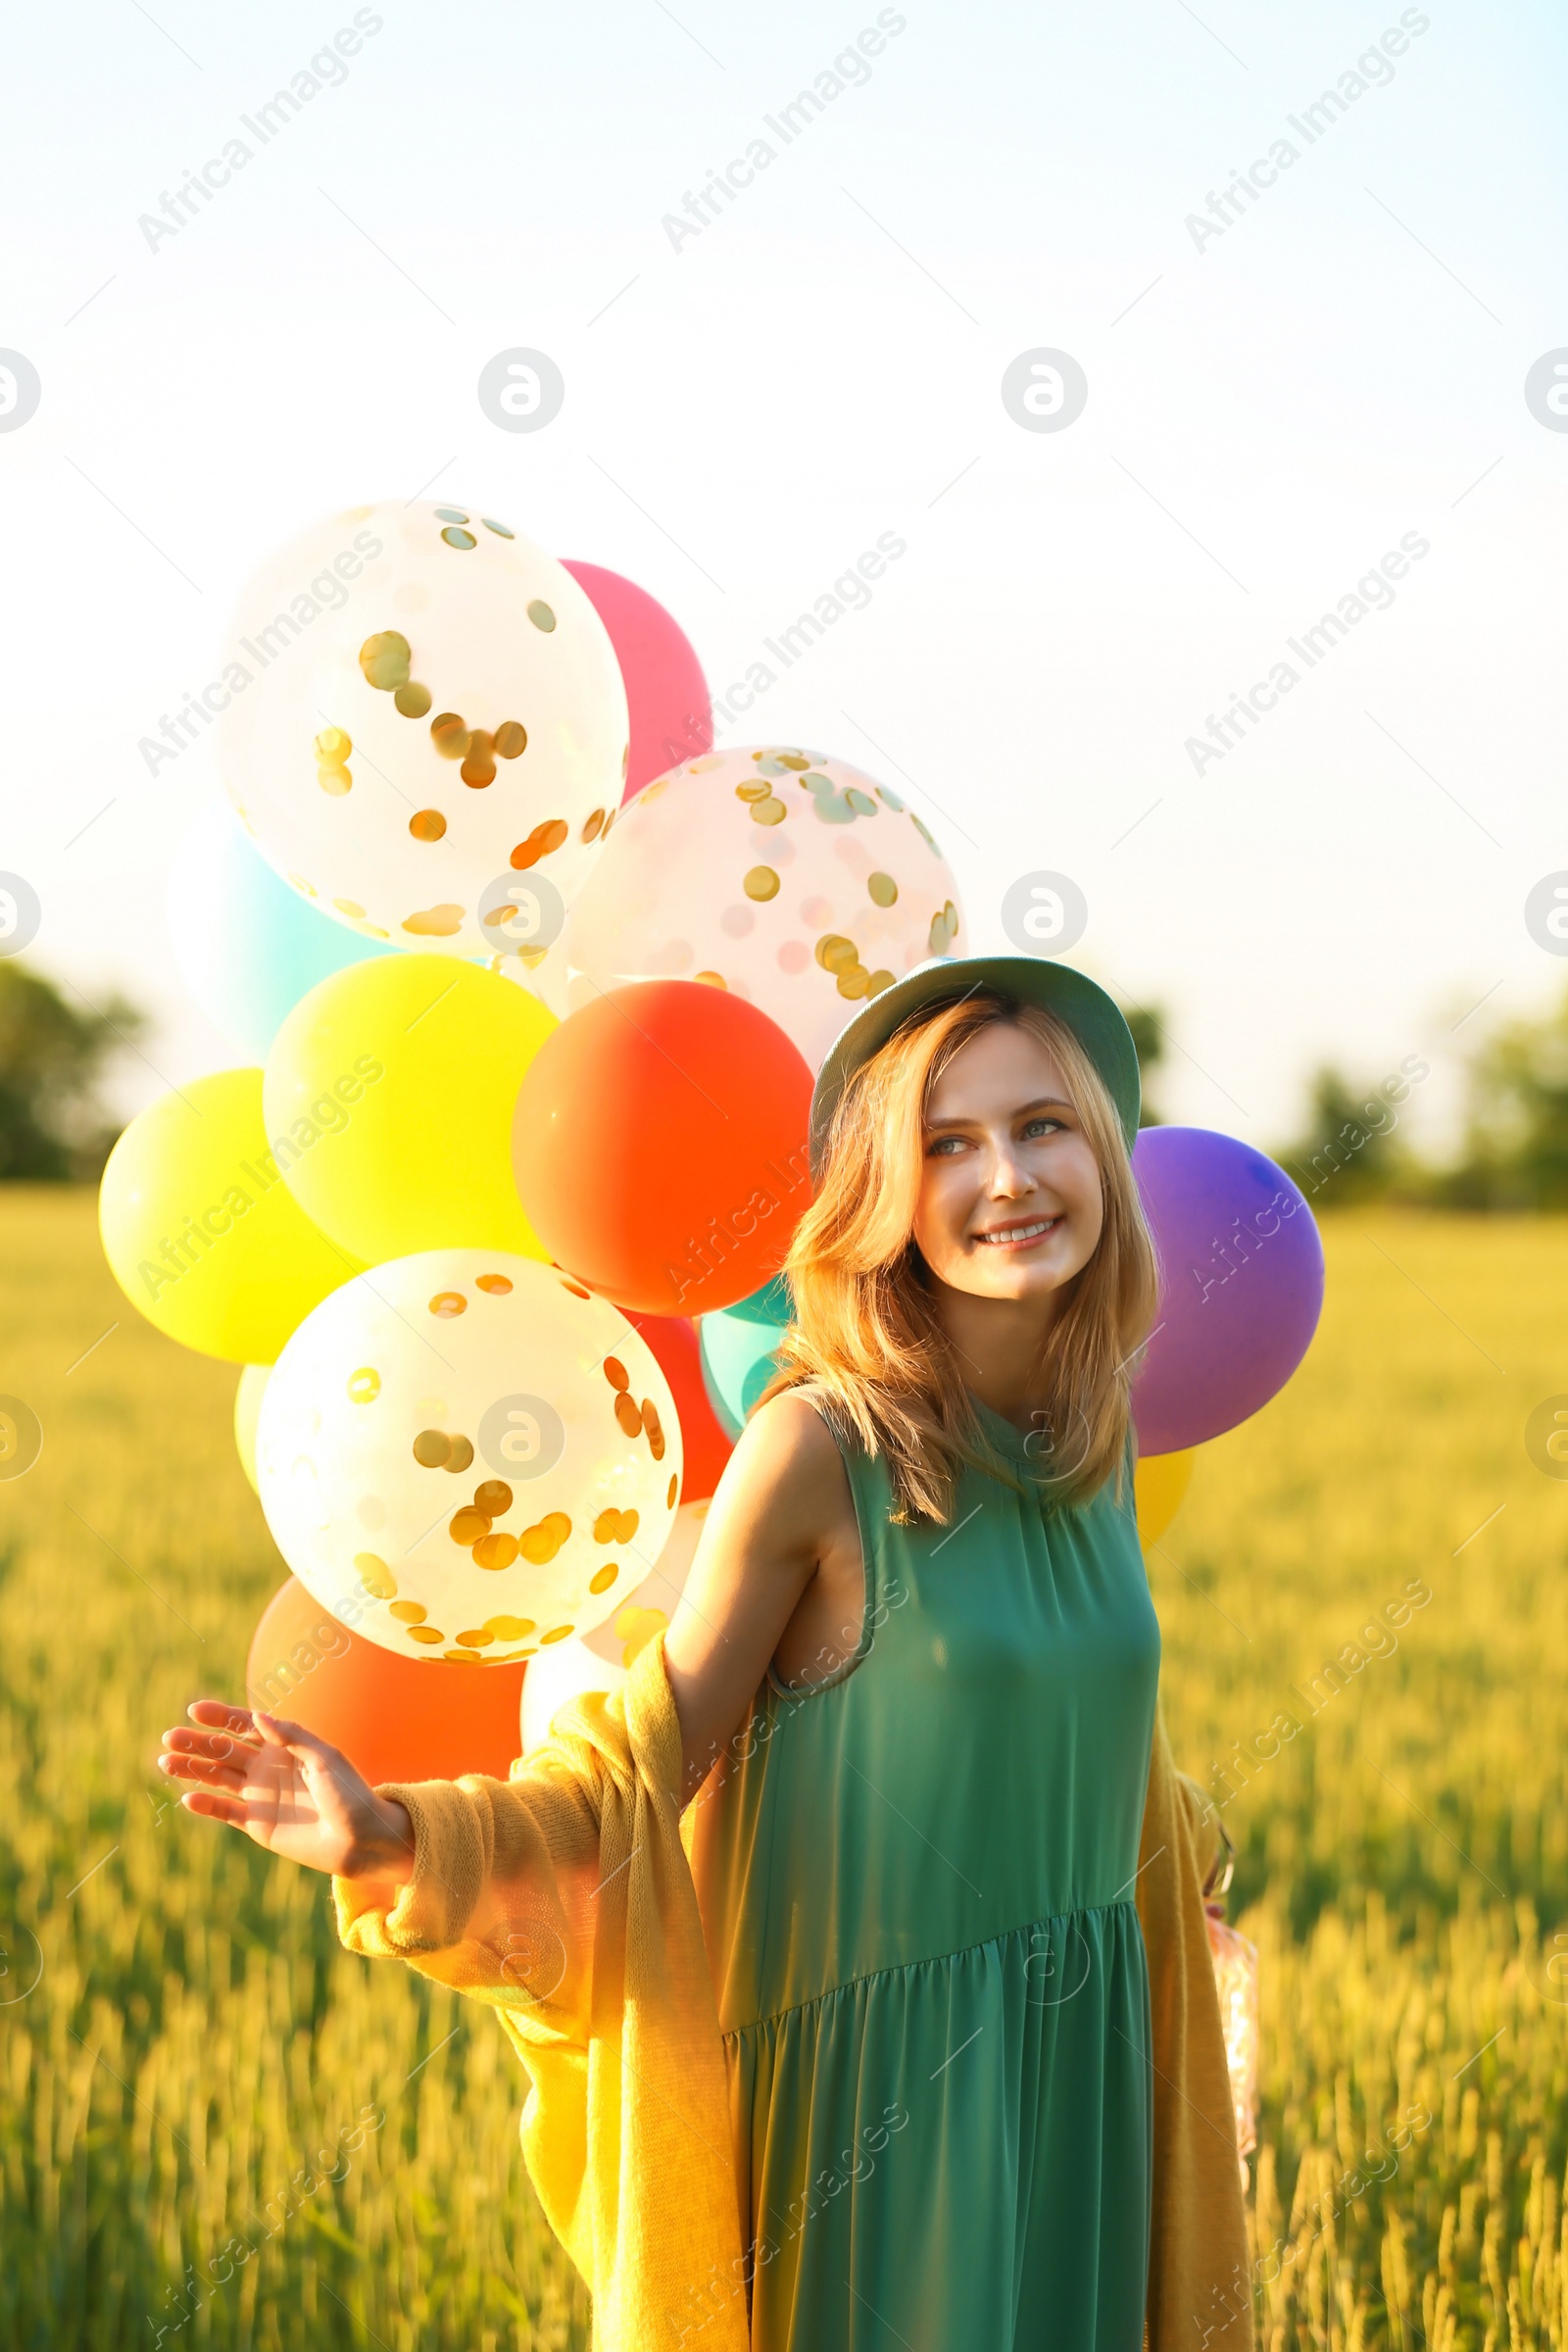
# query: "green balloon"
[[738, 1347]]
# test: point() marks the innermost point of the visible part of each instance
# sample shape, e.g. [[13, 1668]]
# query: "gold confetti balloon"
[[466, 1455], [794, 879], [426, 730]]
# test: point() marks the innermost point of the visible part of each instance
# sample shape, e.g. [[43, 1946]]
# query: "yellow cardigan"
[[562, 1898]]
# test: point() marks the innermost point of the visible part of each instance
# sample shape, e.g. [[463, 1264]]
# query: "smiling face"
[[1010, 1203]]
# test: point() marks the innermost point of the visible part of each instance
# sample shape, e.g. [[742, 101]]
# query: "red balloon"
[[659, 1146], [395, 1718], [705, 1446], [666, 693]]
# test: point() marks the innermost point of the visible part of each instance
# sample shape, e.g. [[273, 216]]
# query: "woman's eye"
[[1035, 1127], [946, 1145]]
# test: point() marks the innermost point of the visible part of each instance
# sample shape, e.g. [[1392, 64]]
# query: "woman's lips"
[[1019, 1236]]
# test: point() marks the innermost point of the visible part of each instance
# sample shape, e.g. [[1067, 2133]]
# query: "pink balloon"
[[666, 693]]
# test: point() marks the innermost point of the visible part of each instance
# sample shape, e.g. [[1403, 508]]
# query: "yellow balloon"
[[200, 1231], [247, 1404], [389, 1097], [1161, 1481]]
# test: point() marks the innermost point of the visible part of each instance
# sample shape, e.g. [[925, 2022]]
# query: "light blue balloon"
[[737, 1345], [249, 946]]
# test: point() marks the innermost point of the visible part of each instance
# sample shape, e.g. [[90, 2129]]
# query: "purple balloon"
[[1241, 1284]]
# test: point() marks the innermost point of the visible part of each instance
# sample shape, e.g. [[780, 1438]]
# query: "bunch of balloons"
[[531, 985]]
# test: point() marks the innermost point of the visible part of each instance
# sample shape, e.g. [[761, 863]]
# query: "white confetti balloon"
[[601, 1660], [426, 728], [794, 879], [466, 1455]]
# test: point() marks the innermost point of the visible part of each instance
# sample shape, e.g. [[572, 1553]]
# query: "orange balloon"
[[659, 1146], [704, 1448], [395, 1718]]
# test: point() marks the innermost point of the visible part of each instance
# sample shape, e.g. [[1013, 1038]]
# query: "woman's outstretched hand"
[[292, 1791]]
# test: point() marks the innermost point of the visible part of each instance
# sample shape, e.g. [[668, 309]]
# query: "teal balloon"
[[738, 1345], [246, 944]]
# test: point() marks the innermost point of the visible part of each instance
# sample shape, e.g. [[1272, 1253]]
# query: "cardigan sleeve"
[[1199, 2288], [562, 1896], [503, 1871]]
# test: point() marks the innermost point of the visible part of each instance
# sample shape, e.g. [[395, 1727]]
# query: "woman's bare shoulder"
[[792, 1427], [787, 1458]]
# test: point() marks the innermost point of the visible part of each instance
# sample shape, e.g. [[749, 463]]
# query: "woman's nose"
[[1009, 1179]]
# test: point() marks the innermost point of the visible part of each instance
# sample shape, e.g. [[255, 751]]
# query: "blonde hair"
[[865, 1333]]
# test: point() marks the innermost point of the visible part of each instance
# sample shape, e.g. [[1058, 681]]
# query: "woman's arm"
[[780, 1507]]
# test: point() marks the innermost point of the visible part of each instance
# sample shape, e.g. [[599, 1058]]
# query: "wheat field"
[[219, 2130]]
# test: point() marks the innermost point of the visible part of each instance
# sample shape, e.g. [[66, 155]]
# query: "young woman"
[[916, 1670]]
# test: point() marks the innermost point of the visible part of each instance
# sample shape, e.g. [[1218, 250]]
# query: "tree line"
[[1353, 1149], [56, 1056]]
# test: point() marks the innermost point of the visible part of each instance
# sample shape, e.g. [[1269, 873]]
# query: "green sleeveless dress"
[[917, 1889]]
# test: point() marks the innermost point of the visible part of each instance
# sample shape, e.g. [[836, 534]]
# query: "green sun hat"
[[1093, 1016]]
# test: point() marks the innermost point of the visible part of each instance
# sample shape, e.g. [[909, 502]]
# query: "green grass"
[[1403, 1863], [182, 2032], [196, 2034]]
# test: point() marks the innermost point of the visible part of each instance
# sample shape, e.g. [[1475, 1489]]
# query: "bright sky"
[[1272, 408]]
